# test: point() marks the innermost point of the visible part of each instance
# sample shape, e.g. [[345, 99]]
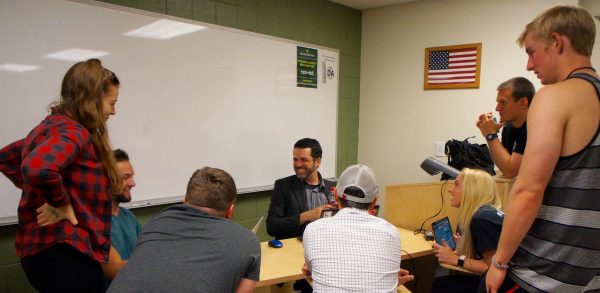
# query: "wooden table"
[[280, 265]]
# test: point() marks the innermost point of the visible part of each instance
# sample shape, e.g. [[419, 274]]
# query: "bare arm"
[[114, 264], [479, 265], [507, 163], [445, 255], [245, 286], [546, 121]]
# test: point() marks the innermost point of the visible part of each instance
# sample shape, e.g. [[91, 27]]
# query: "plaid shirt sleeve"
[[59, 166], [43, 165], [10, 162]]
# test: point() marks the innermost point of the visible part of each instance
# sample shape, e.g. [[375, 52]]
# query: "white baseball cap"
[[361, 177]]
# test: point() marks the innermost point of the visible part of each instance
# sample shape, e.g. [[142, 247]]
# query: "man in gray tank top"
[[550, 239]]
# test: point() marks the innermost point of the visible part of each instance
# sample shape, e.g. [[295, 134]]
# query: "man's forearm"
[[502, 158], [114, 265], [246, 286], [520, 214]]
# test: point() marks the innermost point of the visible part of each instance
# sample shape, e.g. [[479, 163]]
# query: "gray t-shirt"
[[183, 249]]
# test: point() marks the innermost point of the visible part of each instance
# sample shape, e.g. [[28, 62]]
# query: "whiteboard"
[[217, 97]]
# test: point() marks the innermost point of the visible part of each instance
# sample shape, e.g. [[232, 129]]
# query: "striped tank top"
[[561, 251]]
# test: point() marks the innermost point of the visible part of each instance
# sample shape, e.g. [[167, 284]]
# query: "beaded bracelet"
[[499, 265]]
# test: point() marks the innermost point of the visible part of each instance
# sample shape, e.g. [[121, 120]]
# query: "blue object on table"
[[275, 243]]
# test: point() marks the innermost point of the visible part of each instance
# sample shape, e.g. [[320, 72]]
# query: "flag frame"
[[474, 84]]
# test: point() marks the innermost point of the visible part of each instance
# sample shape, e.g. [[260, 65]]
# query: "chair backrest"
[[257, 226]]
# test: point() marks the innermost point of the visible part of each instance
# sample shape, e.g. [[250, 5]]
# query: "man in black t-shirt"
[[512, 103]]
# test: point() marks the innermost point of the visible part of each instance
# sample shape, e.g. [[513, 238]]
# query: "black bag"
[[463, 154]]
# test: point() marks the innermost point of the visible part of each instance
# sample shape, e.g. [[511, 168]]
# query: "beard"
[[122, 198], [307, 173]]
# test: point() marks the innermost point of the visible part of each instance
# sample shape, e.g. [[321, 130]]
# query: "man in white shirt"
[[354, 251]]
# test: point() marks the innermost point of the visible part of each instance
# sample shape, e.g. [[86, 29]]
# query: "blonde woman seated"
[[479, 225]]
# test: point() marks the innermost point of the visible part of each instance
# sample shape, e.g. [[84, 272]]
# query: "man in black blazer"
[[299, 199]]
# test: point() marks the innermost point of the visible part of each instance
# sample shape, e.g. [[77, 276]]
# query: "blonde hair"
[[479, 189], [571, 21], [83, 88]]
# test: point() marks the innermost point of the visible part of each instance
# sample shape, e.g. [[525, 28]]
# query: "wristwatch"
[[491, 136], [461, 261]]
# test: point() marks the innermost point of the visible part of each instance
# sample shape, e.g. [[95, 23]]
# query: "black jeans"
[[61, 268]]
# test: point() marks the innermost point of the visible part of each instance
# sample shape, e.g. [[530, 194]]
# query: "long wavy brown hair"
[[83, 88]]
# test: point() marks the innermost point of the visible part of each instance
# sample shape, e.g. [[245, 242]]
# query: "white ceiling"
[[368, 4]]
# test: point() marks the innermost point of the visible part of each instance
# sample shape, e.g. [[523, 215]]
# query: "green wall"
[[312, 21]]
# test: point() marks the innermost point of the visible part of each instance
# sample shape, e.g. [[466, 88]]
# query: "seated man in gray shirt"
[[194, 246]]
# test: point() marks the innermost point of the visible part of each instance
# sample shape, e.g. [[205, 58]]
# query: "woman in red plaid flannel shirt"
[[67, 173]]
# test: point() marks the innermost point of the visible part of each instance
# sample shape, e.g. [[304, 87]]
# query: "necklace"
[[580, 68]]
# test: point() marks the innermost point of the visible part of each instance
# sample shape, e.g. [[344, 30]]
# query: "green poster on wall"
[[306, 69]]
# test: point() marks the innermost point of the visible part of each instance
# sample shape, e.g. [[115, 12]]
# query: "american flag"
[[455, 66]]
